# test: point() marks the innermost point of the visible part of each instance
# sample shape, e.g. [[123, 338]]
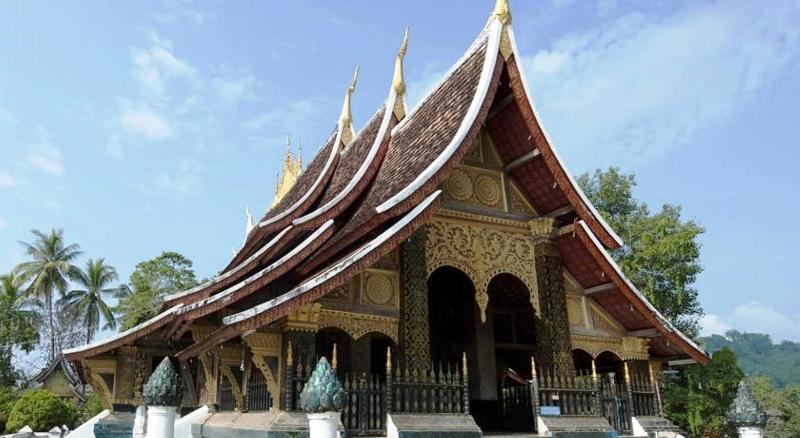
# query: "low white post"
[[162, 394], [323, 425], [55, 432], [140, 422], [160, 422], [750, 432]]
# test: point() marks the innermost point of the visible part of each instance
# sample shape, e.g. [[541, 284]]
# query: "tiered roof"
[[363, 194]]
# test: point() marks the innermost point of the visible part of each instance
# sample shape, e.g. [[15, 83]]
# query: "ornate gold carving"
[[211, 378], [380, 287], [306, 318], [200, 332], [502, 12], [509, 225], [359, 324], [346, 117], [481, 253], [102, 365], [292, 167], [476, 186], [506, 50], [235, 387], [268, 344], [626, 348], [574, 310], [272, 383], [518, 202], [487, 190], [459, 186], [99, 386], [398, 81], [542, 228], [475, 154]]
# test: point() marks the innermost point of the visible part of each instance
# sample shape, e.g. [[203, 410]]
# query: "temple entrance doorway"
[[498, 349]]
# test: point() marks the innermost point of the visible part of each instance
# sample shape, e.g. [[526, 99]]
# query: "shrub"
[[41, 410], [7, 398], [92, 407]]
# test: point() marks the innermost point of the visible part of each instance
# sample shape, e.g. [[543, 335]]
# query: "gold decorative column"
[[208, 362], [266, 349], [553, 336], [414, 305]]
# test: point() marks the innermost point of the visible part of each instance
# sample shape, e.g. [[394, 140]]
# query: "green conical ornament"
[[164, 387], [745, 410], [323, 391]]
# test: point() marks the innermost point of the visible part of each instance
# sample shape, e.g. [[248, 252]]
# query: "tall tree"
[[88, 303], [49, 271], [17, 327], [699, 397], [661, 254], [150, 282]]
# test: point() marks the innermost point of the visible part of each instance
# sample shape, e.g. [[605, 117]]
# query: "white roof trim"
[[387, 117], [336, 268], [575, 185], [313, 188], [633, 288], [229, 291], [121, 335], [495, 29], [227, 274]]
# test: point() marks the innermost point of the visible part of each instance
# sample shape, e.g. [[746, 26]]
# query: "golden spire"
[[291, 170], [346, 118], [334, 359], [398, 81], [502, 12]]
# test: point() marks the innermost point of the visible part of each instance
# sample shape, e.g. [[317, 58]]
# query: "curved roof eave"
[[636, 298], [321, 283]]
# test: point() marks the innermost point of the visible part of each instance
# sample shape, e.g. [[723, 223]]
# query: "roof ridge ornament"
[[398, 81], [292, 167], [250, 225], [502, 12], [346, 117]]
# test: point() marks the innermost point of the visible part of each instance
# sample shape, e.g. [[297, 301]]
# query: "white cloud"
[[146, 124], [632, 89], [757, 317], [711, 324], [236, 89], [180, 10], [44, 156], [6, 116], [154, 66], [184, 181], [295, 116], [7, 180]]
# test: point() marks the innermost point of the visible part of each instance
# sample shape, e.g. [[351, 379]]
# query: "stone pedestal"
[[140, 422], [160, 422], [323, 425], [750, 432]]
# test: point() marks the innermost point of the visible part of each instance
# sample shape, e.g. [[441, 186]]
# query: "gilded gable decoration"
[[359, 324], [627, 348], [380, 287], [476, 186], [482, 253]]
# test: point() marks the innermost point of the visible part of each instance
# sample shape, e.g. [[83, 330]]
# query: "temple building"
[[442, 257]]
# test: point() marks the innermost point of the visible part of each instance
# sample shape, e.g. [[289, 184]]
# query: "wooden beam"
[[501, 105], [530, 156], [600, 288], [645, 333], [560, 212]]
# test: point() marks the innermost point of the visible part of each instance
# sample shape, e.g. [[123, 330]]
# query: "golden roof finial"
[[502, 12], [398, 81], [249, 224], [346, 118], [291, 170]]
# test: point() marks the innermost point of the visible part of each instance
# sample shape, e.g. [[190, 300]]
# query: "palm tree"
[[19, 314], [49, 270], [88, 302]]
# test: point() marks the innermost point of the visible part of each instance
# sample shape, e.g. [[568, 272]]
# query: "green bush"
[[7, 398], [41, 410], [92, 407]]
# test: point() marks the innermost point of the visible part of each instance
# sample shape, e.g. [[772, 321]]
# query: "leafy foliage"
[[782, 407], [661, 255], [8, 396], [41, 410], [164, 387], [323, 391], [759, 356], [150, 282], [49, 270], [87, 303], [17, 327], [92, 407], [745, 409], [699, 397]]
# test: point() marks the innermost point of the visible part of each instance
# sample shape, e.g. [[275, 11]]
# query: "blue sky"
[[147, 126]]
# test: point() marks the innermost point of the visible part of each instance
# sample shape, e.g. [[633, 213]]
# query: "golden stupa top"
[[502, 12], [292, 166]]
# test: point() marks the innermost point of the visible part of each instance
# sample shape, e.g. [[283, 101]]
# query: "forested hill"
[[758, 356]]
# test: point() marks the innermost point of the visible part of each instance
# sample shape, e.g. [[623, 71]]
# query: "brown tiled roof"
[[413, 147], [303, 184]]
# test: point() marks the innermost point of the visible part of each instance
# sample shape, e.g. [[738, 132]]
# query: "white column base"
[[750, 432], [160, 422], [140, 422], [323, 425]]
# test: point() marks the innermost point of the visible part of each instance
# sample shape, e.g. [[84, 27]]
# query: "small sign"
[[550, 411]]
